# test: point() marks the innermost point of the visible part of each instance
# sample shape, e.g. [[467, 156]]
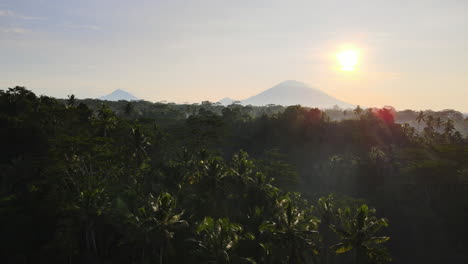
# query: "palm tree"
[[139, 144], [128, 109], [327, 211], [420, 117], [218, 239], [86, 197], [438, 123], [358, 231], [293, 231], [408, 130], [71, 100], [358, 111], [106, 119], [154, 224], [429, 129], [430, 120], [449, 127]]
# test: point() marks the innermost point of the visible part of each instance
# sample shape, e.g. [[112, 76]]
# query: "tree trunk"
[[359, 256], [161, 251]]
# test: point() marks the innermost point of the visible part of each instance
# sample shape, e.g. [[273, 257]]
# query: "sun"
[[348, 59]]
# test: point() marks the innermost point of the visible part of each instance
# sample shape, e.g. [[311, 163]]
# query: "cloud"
[[83, 27], [6, 13], [9, 13], [14, 30]]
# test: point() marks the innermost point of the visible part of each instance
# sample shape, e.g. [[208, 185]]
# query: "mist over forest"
[[94, 181]]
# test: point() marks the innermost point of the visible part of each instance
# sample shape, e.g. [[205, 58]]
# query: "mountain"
[[294, 93], [118, 95], [226, 101]]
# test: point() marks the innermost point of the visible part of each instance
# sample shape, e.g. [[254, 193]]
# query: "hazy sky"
[[413, 54]]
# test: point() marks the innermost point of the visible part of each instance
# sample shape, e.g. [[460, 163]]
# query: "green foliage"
[[291, 235], [86, 182], [357, 230], [218, 239]]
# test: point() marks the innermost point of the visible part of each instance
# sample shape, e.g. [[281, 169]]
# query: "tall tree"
[[420, 117], [358, 232]]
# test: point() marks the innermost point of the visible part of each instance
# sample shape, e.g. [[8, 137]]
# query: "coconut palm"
[[358, 111], [217, 240], [429, 129], [420, 117], [139, 143], [328, 214], [449, 127], [153, 225], [71, 101], [429, 120], [128, 109], [358, 232], [408, 130], [292, 233], [438, 123], [86, 199], [106, 120]]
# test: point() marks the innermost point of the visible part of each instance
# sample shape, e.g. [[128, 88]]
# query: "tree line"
[[114, 183]]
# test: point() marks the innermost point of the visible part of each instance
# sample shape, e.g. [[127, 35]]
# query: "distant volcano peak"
[[291, 82], [292, 92], [226, 101], [119, 95]]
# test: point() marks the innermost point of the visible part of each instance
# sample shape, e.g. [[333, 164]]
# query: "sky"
[[412, 54]]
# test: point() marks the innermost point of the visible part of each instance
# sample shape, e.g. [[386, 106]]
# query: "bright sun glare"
[[348, 59]]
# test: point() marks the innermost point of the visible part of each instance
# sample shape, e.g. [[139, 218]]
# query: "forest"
[[90, 181]]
